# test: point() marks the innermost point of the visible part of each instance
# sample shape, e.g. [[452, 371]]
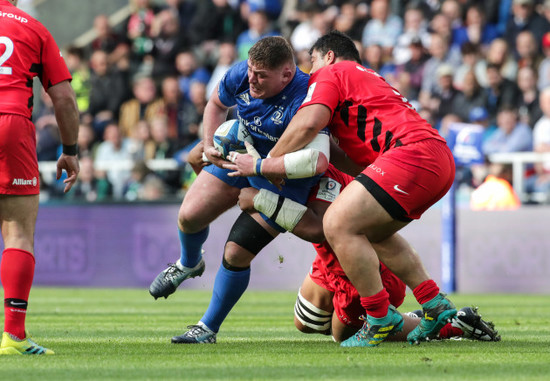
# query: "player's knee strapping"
[[249, 234], [311, 316]]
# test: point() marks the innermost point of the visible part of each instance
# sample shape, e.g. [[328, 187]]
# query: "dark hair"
[[340, 43], [271, 52]]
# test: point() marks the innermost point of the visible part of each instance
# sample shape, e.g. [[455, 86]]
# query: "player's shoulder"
[[22, 20]]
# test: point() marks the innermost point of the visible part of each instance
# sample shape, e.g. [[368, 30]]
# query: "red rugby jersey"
[[328, 188], [368, 115], [27, 50]]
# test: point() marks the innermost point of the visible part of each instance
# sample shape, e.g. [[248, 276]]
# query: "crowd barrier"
[[127, 245]]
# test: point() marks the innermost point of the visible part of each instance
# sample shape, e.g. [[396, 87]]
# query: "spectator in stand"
[[540, 181], [524, 17], [528, 106], [272, 8], [226, 57], [383, 28], [544, 67], [108, 89], [310, 29], [528, 50], [139, 142], [80, 71], [86, 140], [116, 46], [352, 19], [192, 114], [259, 26], [472, 60], [167, 42], [111, 151], [499, 55], [188, 71], [184, 10], [500, 91], [163, 148], [415, 28], [442, 99], [215, 20], [480, 116], [453, 10], [475, 30], [373, 58], [440, 54], [92, 185], [144, 105], [143, 184], [471, 97], [496, 192], [172, 107], [410, 74], [441, 25], [139, 29], [511, 134], [46, 130]]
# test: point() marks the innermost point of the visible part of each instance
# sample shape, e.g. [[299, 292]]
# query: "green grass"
[[125, 335]]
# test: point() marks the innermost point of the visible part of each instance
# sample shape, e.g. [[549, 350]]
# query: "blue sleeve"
[[231, 82]]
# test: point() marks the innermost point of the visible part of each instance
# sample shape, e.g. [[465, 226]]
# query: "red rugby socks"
[[16, 273]]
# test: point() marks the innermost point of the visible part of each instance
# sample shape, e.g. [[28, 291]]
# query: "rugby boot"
[[436, 313], [166, 282], [376, 330], [473, 326], [12, 346], [197, 334]]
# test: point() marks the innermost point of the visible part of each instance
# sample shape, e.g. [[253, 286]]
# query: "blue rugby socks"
[[191, 246]]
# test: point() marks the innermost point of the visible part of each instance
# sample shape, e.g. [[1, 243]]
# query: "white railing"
[[49, 168], [519, 160]]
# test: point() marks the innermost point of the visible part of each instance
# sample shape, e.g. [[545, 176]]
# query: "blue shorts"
[[296, 190]]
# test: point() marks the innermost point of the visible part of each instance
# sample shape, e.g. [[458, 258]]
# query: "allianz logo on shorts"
[[32, 182]]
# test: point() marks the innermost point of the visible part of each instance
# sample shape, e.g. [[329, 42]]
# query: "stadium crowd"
[[142, 85]]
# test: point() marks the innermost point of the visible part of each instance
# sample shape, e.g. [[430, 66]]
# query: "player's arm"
[[215, 113], [341, 160], [309, 161], [302, 129], [305, 222], [67, 116]]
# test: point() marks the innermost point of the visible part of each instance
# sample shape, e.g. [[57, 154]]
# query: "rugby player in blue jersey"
[[267, 90]]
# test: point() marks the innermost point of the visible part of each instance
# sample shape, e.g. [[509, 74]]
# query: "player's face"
[[265, 83], [318, 61]]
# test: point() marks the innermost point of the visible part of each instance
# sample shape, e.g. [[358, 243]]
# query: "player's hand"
[[196, 157], [214, 156], [246, 199], [244, 164], [69, 163]]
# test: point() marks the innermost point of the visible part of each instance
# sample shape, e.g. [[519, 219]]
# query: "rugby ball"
[[230, 136]]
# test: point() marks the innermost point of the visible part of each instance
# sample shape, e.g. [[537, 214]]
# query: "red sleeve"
[[323, 89], [54, 67]]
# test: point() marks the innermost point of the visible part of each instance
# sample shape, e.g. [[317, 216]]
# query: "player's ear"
[[330, 57]]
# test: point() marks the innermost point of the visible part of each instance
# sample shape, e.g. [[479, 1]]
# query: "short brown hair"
[[271, 52]]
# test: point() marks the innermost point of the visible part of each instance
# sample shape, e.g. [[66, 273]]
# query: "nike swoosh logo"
[[17, 304], [396, 187]]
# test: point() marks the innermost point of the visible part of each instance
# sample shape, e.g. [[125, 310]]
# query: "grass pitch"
[[120, 334]]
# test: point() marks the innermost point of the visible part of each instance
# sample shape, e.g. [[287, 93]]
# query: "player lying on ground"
[[327, 302]]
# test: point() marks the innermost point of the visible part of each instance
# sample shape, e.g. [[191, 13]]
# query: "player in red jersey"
[[327, 302], [405, 168], [27, 50]]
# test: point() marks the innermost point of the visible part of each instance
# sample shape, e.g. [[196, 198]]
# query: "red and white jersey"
[[27, 50], [369, 116]]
